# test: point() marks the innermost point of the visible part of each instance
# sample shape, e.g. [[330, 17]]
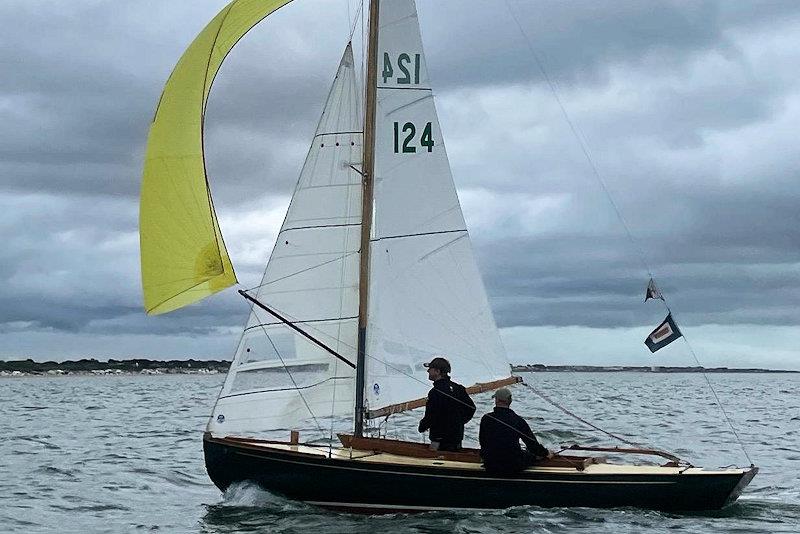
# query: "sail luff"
[[367, 170]]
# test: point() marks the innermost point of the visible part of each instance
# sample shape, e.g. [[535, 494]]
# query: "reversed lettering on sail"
[[426, 294]]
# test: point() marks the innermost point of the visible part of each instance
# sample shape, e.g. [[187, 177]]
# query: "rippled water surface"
[[118, 454]]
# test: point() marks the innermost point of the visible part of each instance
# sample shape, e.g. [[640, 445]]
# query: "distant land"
[[91, 366], [540, 368]]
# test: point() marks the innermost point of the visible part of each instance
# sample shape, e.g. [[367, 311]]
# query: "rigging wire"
[[342, 273], [596, 173], [451, 397], [354, 23], [584, 421], [580, 138], [605, 189], [294, 382], [333, 406], [719, 403]]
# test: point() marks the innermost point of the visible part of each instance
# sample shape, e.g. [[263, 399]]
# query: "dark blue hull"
[[378, 487]]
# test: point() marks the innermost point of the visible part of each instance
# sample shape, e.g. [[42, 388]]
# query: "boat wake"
[[247, 505], [250, 495]]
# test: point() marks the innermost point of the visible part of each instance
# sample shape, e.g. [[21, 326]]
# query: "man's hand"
[[422, 426]]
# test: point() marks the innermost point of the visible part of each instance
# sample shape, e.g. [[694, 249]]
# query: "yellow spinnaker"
[[183, 255]]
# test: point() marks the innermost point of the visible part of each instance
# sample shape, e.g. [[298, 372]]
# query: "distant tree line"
[[91, 364], [538, 367]]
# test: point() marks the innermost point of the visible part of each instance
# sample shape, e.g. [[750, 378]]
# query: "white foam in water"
[[248, 494]]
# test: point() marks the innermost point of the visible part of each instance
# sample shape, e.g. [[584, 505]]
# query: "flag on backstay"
[[663, 335], [652, 291]]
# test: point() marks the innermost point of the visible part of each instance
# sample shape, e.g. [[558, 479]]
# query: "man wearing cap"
[[499, 437], [447, 409]]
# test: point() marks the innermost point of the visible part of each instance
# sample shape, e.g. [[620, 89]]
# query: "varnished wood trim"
[[419, 403], [421, 450]]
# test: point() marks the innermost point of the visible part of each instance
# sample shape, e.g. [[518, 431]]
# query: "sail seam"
[[417, 235], [405, 88], [254, 391], [337, 133], [338, 258], [307, 321], [320, 226]]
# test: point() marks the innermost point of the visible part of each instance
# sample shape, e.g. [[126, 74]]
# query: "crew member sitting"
[[447, 409], [499, 437]]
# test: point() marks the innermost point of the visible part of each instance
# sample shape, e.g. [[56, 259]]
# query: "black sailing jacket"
[[447, 409], [499, 436]]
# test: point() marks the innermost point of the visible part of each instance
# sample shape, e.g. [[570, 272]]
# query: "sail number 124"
[[404, 76], [404, 138]]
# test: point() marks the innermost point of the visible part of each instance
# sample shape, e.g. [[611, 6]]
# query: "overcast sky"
[[689, 111]]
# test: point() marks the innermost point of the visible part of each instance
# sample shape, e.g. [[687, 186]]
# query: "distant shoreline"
[[91, 366], [540, 368], [144, 366]]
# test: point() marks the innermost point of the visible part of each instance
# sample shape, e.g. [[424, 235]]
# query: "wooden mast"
[[367, 170]]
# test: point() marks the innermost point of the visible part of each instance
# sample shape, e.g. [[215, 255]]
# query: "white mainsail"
[[279, 379], [426, 296]]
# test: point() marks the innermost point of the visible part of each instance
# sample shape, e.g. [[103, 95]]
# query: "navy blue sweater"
[[499, 436], [447, 409]]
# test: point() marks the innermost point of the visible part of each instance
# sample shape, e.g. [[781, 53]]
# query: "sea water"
[[124, 454]]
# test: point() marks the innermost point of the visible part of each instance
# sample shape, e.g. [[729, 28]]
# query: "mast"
[[367, 169]]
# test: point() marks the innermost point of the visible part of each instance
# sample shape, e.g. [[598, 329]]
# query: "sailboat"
[[372, 275]]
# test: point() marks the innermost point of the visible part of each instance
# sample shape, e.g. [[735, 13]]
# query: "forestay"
[[426, 296], [279, 379]]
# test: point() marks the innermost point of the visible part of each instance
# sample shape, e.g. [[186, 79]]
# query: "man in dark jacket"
[[499, 436], [447, 409]]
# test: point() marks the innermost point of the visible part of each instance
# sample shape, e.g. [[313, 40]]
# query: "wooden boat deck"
[[385, 458]]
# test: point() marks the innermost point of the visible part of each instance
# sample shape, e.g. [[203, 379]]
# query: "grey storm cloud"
[[688, 110]]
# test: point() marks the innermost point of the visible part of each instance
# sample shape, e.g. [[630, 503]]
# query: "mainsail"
[[182, 253], [426, 295], [279, 378]]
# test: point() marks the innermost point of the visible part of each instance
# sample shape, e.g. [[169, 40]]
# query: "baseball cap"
[[439, 363]]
